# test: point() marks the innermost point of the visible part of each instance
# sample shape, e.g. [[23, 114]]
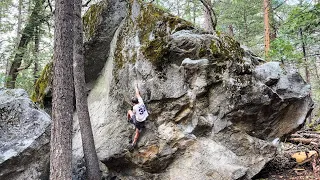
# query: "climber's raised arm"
[[137, 91]]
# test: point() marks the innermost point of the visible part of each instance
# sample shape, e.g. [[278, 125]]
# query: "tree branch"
[[49, 3], [25, 67], [313, 55], [205, 4], [86, 4], [279, 5]]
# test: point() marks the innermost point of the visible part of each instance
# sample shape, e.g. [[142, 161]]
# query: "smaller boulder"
[[24, 137]]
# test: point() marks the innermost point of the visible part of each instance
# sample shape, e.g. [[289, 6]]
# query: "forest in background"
[[26, 33]]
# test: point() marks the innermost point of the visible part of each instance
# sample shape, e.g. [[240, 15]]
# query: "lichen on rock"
[[24, 137]]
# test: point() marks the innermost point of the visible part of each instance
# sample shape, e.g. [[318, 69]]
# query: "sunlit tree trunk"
[[90, 155], [178, 8], [266, 7], [210, 16], [231, 32], [63, 90], [316, 62], [194, 9], [303, 46], [272, 24]]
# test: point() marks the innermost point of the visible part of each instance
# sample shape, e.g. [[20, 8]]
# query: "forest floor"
[[298, 173], [284, 167]]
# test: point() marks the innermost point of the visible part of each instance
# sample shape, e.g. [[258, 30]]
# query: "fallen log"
[[305, 135], [296, 136], [303, 140]]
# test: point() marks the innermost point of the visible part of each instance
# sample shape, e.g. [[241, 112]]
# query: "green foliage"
[[246, 19], [190, 10], [2, 79], [284, 51], [25, 80], [305, 16], [5, 25], [34, 16]]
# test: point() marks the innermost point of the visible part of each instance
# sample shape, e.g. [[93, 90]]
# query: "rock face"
[[100, 23], [214, 107], [24, 137]]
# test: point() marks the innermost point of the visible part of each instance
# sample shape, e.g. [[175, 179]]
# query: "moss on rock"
[[43, 84], [160, 23], [152, 26], [91, 19], [226, 48], [147, 20], [119, 59], [155, 51], [232, 46]]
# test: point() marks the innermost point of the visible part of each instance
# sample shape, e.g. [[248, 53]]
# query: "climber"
[[137, 115]]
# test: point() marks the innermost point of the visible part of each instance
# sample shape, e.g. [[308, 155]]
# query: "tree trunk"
[[210, 16], [178, 8], [35, 20], [194, 11], [90, 155], [246, 29], [17, 33], [316, 65], [36, 54], [19, 22], [266, 7], [304, 56], [63, 89], [272, 24], [306, 64], [231, 32]]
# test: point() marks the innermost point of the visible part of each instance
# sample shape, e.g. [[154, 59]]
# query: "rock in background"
[[24, 137], [214, 107]]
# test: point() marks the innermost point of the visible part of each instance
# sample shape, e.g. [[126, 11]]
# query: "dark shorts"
[[137, 124]]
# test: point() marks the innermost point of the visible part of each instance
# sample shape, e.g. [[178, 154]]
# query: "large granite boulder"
[[24, 137], [214, 106], [100, 23]]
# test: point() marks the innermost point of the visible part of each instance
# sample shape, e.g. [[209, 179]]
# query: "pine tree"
[[266, 9], [36, 18], [90, 155], [63, 89], [210, 16]]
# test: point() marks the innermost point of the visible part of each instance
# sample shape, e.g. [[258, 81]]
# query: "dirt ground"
[[284, 167], [304, 172]]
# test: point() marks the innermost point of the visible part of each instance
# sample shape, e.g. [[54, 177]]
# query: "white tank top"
[[140, 111]]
